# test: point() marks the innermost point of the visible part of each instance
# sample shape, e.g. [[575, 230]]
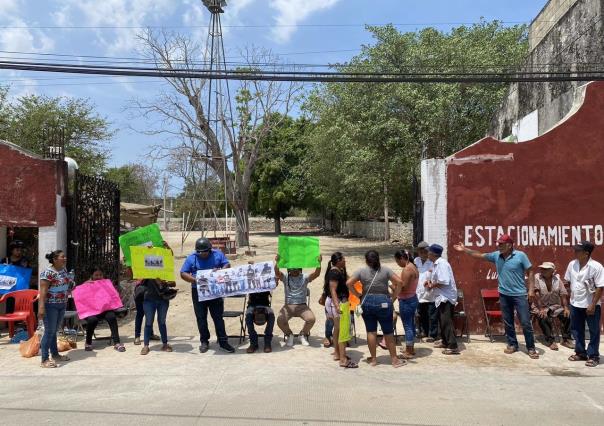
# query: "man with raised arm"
[[512, 265]]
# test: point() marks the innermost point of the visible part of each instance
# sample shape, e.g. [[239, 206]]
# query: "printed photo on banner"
[[146, 236], [13, 278], [152, 262], [244, 279]]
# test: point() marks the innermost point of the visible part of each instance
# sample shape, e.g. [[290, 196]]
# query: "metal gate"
[[418, 212], [94, 227]]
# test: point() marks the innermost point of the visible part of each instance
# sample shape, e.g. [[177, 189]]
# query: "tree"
[[137, 183], [378, 133], [279, 182], [230, 147], [26, 120]]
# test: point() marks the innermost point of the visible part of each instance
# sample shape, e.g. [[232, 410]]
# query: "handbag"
[[166, 293], [358, 311]]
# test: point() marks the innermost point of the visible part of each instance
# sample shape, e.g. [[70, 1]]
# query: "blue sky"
[[302, 31]]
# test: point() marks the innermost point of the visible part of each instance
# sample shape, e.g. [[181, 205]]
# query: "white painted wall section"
[[434, 195], [527, 127], [52, 238]]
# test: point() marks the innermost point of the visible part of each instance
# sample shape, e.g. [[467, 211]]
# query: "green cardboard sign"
[[147, 235], [298, 252]]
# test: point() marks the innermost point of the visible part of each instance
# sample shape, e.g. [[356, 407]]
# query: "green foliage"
[[24, 120], [280, 179], [137, 182], [368, 135]]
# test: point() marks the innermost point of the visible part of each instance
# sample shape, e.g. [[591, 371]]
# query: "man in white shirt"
[[426, 309], [586, 279], [442, 283]]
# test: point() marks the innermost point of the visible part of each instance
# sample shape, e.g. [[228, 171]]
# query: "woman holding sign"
[[377, 303], [55, 283], [157, 300], [109, 316]]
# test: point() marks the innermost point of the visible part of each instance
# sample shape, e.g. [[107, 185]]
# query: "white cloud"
[[15, 36], [291, 12], [116, 13]]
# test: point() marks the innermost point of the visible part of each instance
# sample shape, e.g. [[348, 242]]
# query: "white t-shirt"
[[583, 282], [443, 274], [425, 271]]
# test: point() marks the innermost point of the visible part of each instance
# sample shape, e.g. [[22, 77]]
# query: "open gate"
[[94, 227]]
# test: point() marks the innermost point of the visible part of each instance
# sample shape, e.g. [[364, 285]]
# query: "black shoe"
[[203, 348], [155, 337], [226, 347]]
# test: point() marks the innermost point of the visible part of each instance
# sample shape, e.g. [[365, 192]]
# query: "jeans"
[[428, 319], [521, 305], [578, 318], [216, 308], [53, 318], [407, 308], [547, 326], [447, 329], [268, 330], [378, 308], [150, 307], [329, 328], [140, 315], [93, 321]]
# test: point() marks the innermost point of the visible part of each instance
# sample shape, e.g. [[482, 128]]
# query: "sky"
[[299, 31]]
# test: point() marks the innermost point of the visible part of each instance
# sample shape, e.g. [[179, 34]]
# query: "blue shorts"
[[378, 308]]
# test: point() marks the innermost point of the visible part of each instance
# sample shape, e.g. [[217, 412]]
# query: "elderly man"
[[428, 315], [551, 301], [442, 283], [206, 258], [586, 279], [511, 266]]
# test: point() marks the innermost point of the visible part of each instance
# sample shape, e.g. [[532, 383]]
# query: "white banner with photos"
[[245, 279]]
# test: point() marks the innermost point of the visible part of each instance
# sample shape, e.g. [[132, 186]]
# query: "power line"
[[305, 76]]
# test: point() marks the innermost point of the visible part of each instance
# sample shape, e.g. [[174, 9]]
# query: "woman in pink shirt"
[[407, 299]]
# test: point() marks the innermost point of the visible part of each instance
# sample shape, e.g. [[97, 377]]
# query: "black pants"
[[547, 326], [216, 309], [445, 319], [93, 321], [428, 319]]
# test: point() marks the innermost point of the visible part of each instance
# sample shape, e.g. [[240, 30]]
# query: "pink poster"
[[94, 297]]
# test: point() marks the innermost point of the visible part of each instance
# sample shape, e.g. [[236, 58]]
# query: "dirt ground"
[[299, 385]]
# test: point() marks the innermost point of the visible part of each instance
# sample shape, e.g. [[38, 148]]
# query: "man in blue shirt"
[[511, 268], [206, 258]]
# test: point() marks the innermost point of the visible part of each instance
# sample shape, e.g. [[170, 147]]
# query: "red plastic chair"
[[24, 310], [489, 298]]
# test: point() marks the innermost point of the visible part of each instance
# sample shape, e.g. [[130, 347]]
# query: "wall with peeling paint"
[[550, 181]]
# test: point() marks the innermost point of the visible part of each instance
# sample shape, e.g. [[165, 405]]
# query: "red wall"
[[547, 185], [28, 188]]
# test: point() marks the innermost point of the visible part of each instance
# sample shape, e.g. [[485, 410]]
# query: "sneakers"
[[289, 340], [203, 348], [303, 340], [226, 347]]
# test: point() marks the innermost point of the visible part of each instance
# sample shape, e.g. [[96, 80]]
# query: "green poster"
[[298, 252], [145, 236]]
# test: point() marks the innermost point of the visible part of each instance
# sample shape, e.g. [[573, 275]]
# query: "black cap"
[[585, 246], [15, 244], [203, 245]]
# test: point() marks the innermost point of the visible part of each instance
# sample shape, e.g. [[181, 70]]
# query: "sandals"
[[145, 350], [349, 364], [399, 363], [326, 342], [120, 347], [440, 345], [576, 357], [568, 344], [166, 348], [553, 346], [60, 358], [383, 346], [137, 341], [533, 354], [49, 363], [592, 362], [451, 352], [87, 347], [510, 350]]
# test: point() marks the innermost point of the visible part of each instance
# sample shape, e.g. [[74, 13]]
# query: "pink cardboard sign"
[[95, 297]]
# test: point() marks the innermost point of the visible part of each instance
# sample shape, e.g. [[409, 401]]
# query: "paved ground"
[[300, 385]]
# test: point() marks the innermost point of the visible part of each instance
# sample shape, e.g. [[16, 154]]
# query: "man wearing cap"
[[586, 278], [551, 301], [15, 255], [206, 258], [512, 265], [428, 315], [442, 283]]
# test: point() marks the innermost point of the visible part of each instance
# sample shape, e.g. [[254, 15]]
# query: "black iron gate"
[[418, 212], [94, 227]]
